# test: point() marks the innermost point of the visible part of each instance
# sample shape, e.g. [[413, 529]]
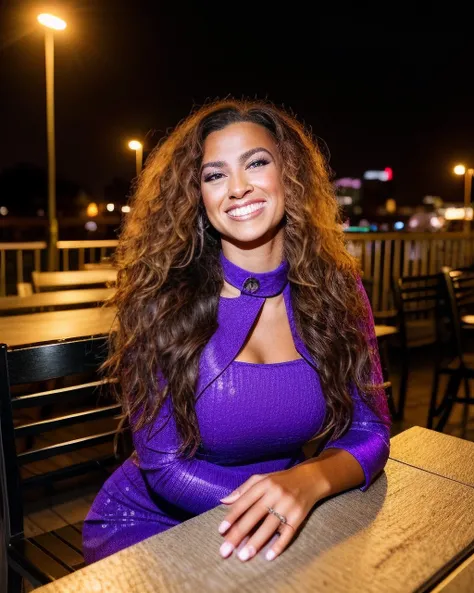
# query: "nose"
[[239, 185]]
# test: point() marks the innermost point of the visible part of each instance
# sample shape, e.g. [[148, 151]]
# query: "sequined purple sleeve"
[[194, 485], [368, 437]]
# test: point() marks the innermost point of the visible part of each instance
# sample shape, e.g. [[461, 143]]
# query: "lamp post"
[[138, 148], [468, 173], [51, 23]]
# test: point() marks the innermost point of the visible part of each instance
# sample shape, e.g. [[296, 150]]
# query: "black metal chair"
[[419, 301], [454, 361], [51, 555]]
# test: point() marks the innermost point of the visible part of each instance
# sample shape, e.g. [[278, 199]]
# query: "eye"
[[258, 163], [212, 177]]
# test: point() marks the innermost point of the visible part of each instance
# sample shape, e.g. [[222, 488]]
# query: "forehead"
[[237, 138]]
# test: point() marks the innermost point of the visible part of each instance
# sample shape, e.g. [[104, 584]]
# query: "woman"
[[244, 331]]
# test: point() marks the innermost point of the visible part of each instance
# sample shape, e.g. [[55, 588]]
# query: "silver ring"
[[281, 518]]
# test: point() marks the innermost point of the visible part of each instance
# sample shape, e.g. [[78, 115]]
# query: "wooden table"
[[435, 452], [405, 534], [18, 330], [61, 299], [66, 280]]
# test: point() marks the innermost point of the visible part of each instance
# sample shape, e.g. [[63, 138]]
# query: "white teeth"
[[245, 210]]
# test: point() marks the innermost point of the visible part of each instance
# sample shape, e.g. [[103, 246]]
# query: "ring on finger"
[[283, 520]]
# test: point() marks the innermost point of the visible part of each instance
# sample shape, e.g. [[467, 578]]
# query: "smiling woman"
[[244, 332]]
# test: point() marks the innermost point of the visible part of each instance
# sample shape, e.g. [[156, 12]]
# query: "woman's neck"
[[261, 258]]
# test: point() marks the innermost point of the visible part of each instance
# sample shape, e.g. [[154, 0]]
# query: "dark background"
[[376, 91]]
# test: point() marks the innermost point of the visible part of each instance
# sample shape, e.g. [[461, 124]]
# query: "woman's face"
[[241, 184]]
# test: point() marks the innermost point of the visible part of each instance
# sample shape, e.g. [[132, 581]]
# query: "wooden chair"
[[51, 555], [418, 300], [455, 362]]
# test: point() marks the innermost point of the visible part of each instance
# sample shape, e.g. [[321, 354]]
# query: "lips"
[[246, 210]]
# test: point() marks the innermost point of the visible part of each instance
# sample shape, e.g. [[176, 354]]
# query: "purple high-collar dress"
[[253, 418]]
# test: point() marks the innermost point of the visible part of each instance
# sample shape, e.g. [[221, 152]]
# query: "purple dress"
[[253, 418]]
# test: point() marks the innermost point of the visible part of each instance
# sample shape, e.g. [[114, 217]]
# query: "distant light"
[[357, 229], [459, 169], [413, 223], [348, 182], [110, 207], [391, 206], [454, 213], [435, 222], [135, 145], [373, 227], [92, 209], [344, 200], [379, 175], [125, 209], [399, 225], [51, 21], [91, 225], [3, 210]]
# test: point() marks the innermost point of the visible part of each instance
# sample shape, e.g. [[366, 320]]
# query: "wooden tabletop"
[[435, 452], [61, 299], [399, 536], [60, 280], [18, 330], [461, 580]]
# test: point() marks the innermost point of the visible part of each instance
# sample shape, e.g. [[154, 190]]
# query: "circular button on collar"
[[251, 285]]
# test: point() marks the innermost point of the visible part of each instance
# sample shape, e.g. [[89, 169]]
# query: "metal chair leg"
[[403, 385], [465, 411], [446, 405]]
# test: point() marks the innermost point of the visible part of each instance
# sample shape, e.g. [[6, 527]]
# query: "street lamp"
[[468, 173], [138, 148], [51, 23]]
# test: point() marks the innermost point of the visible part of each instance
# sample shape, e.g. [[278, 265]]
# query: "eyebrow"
[[242, 158]]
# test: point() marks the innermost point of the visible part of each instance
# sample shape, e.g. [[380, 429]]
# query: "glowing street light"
[[51, 23], [468, 173], [137, 146]]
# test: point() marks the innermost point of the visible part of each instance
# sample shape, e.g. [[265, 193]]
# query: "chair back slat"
[[67, 447], [42, 426], [41, 362], [45, 398]]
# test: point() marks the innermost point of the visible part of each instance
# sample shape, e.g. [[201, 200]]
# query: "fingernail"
[[270, 555], [224, 526], [230, 498], [226, 549], [247, 553]]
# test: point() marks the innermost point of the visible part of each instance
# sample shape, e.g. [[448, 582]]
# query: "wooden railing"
[[383, 257], [82, 252], [14, 270]]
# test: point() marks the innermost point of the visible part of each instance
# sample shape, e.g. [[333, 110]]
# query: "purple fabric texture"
[[253, 418]]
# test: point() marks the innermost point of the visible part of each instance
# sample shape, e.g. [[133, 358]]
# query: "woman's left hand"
[[292, 493]]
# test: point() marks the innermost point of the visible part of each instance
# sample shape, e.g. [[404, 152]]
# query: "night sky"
[[374, 95]]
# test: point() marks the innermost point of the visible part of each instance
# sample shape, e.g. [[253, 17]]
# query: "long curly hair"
[[170, 278]]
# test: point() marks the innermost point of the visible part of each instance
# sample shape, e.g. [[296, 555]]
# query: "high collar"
[[262, 284]]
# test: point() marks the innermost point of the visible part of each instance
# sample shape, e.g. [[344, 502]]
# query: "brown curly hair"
[[169, 275]]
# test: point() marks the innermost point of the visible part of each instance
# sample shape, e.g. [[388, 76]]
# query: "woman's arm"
[[194, 485], [368, 438]]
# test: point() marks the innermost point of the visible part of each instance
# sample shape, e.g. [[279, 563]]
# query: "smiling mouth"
[[245, 212]]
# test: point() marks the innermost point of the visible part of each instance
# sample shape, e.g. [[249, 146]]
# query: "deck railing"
[[383, 257]]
